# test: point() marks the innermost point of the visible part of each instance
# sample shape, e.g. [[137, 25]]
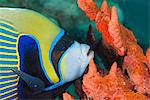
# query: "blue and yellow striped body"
[[8, 59]]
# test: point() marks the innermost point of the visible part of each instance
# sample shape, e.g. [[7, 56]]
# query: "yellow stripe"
[[62, 68], [7, 29], [9, 96], [9, 81], [18, 52], [11, 48], [6, 53], [7, 23], [7, 71], [7, 65], [7, 35], [9, 86], [8, 76], [5, 41], [8, 91], [6, 59], [16, 98]]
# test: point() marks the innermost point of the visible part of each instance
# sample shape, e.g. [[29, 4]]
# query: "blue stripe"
[[7, 38], [8, 56], [7, 50], [7, 84], [7, 32], [61, 78], [6, 68], [7, 79], [7, 89], [50, 53], [7, 74], [8, 94], [61, 34], [7, 44], [53, 86], [9, 62], [58, 37], [7, 26]]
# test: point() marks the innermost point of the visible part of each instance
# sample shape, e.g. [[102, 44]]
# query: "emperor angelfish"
[[59, 59]]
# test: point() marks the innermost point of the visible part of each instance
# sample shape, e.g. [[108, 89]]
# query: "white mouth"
[[86, 51], [90, 54]]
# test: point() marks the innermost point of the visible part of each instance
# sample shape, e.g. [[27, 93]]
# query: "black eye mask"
[[62, 45]]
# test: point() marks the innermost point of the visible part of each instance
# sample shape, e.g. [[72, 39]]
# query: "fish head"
[[74, 61]]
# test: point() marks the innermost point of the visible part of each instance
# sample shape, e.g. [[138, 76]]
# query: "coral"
[[67, 96], [135, 61], [112, 86], [148, 56], [116, 37], [114, 31], [89, 7], [72, 16], [104, 19]]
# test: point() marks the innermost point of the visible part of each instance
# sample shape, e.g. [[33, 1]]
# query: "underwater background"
[[134, 14]]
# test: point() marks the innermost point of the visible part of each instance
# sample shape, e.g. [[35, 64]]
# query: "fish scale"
[[8, 59]]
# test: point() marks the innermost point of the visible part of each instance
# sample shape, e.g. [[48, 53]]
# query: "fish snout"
[[86, 54]]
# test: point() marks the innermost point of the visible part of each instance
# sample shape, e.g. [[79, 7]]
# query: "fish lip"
[[89, 52]]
